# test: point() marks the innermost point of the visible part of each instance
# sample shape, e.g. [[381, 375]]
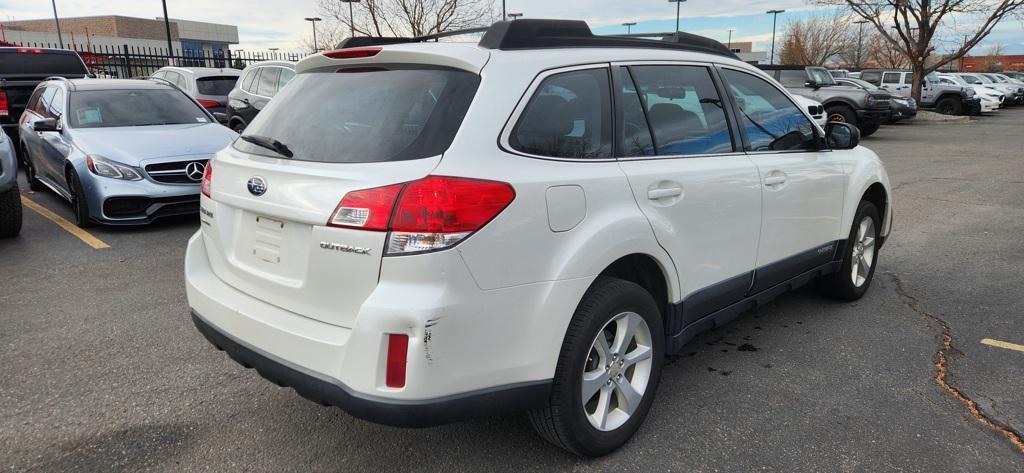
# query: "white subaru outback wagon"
[[425, 232]]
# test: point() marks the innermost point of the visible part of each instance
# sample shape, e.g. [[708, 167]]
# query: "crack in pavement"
[[942, 368]]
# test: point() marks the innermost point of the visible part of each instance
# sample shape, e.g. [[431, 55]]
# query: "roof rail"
[[541, 34], [71, 85]]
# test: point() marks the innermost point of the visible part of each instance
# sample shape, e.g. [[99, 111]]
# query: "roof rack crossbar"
[[362, 41]]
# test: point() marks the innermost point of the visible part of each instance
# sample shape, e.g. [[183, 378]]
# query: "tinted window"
[[267, 83], [891, 78], [771, 121], [286, 77], [132, 107], [970, 79], [249, 80], [636, 135], [44, 101], [56, 108], [872, 77], [569, 116], [684, 110], [821, 76], [13, 63], [33, 101], [793, 78], [366, 115], [216, 85]]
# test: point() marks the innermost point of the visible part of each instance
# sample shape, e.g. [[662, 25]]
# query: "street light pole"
[[677, 12], [313, 20], [167, 26], [775, 18], [503, 16], [351, 18], [57, 21], [730, 37], [860, 42], [629, 25]]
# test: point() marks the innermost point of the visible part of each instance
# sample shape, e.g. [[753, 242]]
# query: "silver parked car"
[[208, 85], [10, 198], [121, 151]]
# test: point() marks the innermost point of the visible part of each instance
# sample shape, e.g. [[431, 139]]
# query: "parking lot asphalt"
[[103, 370]]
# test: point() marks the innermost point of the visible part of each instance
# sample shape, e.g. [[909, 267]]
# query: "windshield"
[[971, 79], [132, 107], [821, 76], [863, 84], [364, 114], [216, 85], [956, 79]]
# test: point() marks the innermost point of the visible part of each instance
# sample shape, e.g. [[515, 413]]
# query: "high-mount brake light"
[[207, 182], [428, 214], [352, 53], [30, 50]]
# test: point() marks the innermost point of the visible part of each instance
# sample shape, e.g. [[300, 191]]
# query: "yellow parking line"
[[1001, 344], [71, 228]]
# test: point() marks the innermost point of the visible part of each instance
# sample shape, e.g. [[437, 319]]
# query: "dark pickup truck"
[[22, 69]]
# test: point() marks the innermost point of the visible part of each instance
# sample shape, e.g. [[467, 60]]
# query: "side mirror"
[[46, 124], [812, 84], [841, 135]]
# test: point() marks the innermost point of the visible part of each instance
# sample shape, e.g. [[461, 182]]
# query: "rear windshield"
[[366, 114], [132, 107], [216, 85], [28, 63]]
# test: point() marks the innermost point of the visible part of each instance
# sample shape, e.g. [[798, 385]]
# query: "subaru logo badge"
[[194, 170], [257, 186]]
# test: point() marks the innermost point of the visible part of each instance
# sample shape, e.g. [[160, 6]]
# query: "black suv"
[[866, 110], [22, 69], [259, 83]]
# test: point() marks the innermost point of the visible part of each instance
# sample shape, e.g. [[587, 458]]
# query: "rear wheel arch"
[[645, 271]]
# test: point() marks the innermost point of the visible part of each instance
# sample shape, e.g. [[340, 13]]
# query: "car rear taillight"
[[352, 53], [430, 214], [208, 103], [4, 108], [207, 181], [398, 353]]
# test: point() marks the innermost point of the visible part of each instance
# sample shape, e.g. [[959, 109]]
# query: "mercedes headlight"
[[101, 166]]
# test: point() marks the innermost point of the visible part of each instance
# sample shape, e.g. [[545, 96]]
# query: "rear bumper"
[[398, 413]]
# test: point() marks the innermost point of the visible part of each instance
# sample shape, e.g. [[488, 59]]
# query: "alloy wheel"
[[863, 255], [617, 371]]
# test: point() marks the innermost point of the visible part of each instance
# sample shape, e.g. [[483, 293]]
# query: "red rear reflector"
[[398, 352], [441, 204], [352, 53], [367, 209], [208, 103], [207, 182], [4, 110]]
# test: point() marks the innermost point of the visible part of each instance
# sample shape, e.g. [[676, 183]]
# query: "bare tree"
[[404, 17], [911, 26], [994, 58], [884, 54], [814, 40]]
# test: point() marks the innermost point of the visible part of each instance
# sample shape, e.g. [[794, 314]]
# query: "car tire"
[[842, 114], [869, 128], [238, 127], [949, 106], [10, 212], [79, 204], [852, 280], [30, 173], [608, 309]]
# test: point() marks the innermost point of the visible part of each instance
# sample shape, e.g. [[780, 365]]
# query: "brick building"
[[998, 63]]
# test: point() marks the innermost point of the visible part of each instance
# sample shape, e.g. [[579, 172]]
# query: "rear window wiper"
[[268, 143]]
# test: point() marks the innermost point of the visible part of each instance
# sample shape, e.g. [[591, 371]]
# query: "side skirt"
[[751, 302]]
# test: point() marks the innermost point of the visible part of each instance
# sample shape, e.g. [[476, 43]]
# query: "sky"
[[264, 24]]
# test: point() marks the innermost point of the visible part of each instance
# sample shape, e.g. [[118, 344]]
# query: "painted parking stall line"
[[71, 228], [1001, 344]]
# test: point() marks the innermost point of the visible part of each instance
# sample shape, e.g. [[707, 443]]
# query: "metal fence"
[[131, 61]]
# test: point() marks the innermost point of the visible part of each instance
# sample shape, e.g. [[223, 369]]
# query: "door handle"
[[655, 194], [774, 180]]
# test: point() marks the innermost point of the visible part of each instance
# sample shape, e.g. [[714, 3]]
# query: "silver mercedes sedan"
[[122, 152]]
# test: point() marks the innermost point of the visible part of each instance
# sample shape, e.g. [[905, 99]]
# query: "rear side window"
[[872, 77], [286, 76], [248, 80], [793, 78], [684, 110], [14, 63], [216, 85], [366, 115], [569, 116], [771, 121], [267, 83], [891, 78]]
